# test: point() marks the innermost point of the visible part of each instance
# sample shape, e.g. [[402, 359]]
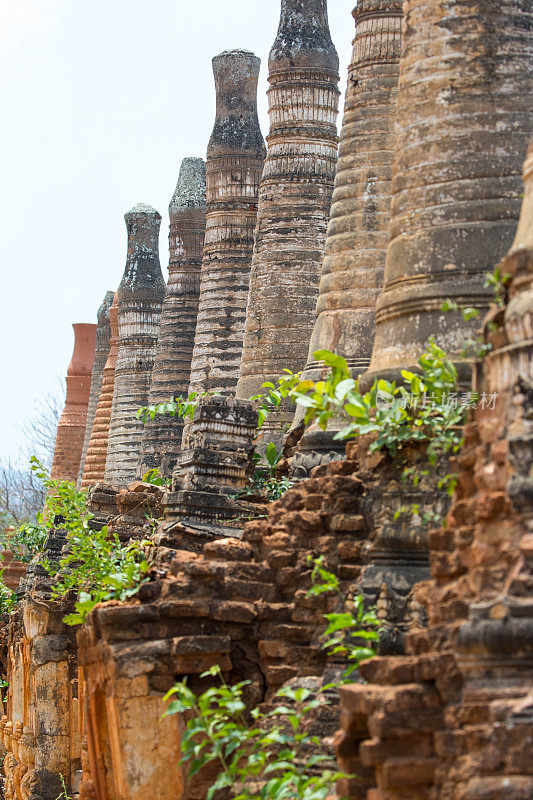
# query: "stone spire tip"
[[143, 208], [191, 186]]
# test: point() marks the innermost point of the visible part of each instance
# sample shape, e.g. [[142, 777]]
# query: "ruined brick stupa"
[[71, 428], [235, 157], [358, 231], [161, 441], [95, 460], [140, 299], [103, 333], [294, 197], [460, 146]]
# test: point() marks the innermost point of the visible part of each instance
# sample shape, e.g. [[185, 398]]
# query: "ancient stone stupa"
[[103, 333], [95, 460], [458, 709], [294, 197], [71, 428], [140, 298], [465, 115], [358, 232], [456, 202], [235, 158], [172, 366]]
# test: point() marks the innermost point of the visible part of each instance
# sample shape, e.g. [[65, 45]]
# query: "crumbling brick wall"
[[239, 603], [453, 719]]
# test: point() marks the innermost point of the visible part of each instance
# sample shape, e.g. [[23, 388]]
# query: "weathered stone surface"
[[358, 231], [215, 464], [140, 299], [161, 440], [465, 115], [13, 570], [467, 679], [39, 730], [294, 198], [235, 158], [95, 460], [71, 428], [103, 333]]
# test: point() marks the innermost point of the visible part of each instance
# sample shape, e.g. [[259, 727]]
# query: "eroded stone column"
[[71, 428], [103, 333], [294, 197], [358, 232], [95, 460], [172, 366], [235, 158], [140, 299], [213, 468], [465, 114]]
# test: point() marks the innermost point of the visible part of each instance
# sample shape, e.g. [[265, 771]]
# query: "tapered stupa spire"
[[358, 232], [71, 428], [95, 460], [235, 158], [294, 198], [103, 333], [172, 367], [140, 298]]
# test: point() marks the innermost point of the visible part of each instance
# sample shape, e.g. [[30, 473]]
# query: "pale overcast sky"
[[100, 101]]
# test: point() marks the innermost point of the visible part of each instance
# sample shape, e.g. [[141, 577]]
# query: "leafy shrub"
[[97, 566], [27, 540], [272, 399], [155, 478], [268, 757], [266, 485], [421, 410], [350, 631], [7, 597], [178, 406]]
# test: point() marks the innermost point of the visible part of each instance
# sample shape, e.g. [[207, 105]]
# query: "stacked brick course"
[[161, 441], [71, 428], [294, 197], [213, 468], [235, 158], [240, 603], [140, 300], [103, 334]]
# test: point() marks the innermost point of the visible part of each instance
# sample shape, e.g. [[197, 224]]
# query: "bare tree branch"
[[21, 492]]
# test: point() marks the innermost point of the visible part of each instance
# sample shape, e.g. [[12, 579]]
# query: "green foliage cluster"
[[62, 499], [498, 282], [264, 480], [266, 485], [260, 756], [271, 756], [27, 540], [178, 406], [351, 631], [272, 399], [7, 597], [97, 566], [155, 478], [420, 410]]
